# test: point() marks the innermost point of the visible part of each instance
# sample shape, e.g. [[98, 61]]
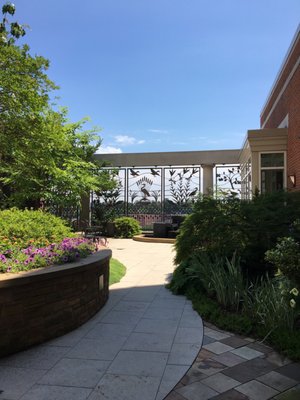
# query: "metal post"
[[163, 193], [126, 190]]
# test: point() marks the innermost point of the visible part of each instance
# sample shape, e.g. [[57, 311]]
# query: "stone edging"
[[149, 239]]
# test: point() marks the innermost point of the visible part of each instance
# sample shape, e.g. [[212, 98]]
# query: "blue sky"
[[163, 75]]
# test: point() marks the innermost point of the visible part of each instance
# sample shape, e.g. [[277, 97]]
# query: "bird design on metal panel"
[[153, 172], [134, 173], [144, 184], [193, 193]]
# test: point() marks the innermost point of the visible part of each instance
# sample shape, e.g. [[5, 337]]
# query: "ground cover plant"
[[68, 250], [239, 263], [34, 239]]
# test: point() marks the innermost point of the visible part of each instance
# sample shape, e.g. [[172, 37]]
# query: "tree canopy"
[[43, 156]]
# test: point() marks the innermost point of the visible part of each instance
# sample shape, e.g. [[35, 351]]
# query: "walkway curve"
[[138, 346]]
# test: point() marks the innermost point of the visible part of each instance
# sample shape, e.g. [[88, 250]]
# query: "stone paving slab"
[[277, 381], [126, 387], [38, 392], [195, 390], [247, 352], [257, 390], [161, 342], [75, 372], [257, 373], [137, 347], [14, 382], [220, 382]]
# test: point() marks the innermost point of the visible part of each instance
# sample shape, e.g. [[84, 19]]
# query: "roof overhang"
[[206, 157], [263, 140]]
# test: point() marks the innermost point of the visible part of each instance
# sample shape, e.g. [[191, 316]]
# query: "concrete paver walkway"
[[232, 367], [137, 347]]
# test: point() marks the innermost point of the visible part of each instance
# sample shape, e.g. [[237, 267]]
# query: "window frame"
[[283, 168]]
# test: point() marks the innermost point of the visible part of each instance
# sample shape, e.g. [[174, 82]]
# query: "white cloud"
[[158, 130], [108, 150], [126, 140]]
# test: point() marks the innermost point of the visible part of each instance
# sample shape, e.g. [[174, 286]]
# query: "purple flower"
[[3, 258]]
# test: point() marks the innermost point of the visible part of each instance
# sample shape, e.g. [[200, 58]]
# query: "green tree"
[[213, 227], [42, 154], [9, 31]]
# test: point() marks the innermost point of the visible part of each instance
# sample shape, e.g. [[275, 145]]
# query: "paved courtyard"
[[137, 347], [145, 344]]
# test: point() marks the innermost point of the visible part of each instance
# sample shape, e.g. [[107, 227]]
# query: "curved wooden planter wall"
[[42, 304]]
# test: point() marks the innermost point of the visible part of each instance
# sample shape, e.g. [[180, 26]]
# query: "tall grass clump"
[[217, 276]]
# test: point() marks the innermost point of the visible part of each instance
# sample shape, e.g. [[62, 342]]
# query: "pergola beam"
[[164, 159]]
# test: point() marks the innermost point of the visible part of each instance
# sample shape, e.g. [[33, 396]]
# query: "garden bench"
[[93, 232]]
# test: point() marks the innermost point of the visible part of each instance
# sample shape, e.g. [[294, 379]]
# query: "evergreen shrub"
[[127, 227], [24, 228]]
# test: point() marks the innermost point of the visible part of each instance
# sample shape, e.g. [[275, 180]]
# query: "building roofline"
[[295, 39], [170, 158]]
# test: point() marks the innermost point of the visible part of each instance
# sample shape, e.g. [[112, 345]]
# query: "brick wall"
[[41, 305], [291, 61], [289, 103]]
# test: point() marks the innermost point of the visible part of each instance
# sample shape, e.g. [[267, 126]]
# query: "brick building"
[[270, 158]]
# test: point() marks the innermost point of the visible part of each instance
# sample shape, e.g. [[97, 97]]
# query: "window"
[[272, 160], [272, 167]]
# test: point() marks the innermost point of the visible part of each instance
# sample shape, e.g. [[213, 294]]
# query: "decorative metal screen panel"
[[182, 186], [156, 194], [144, 190], [228, 180]]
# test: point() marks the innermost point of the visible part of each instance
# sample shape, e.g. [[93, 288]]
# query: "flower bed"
[[32, 239], [42, 304], [16, 259]]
